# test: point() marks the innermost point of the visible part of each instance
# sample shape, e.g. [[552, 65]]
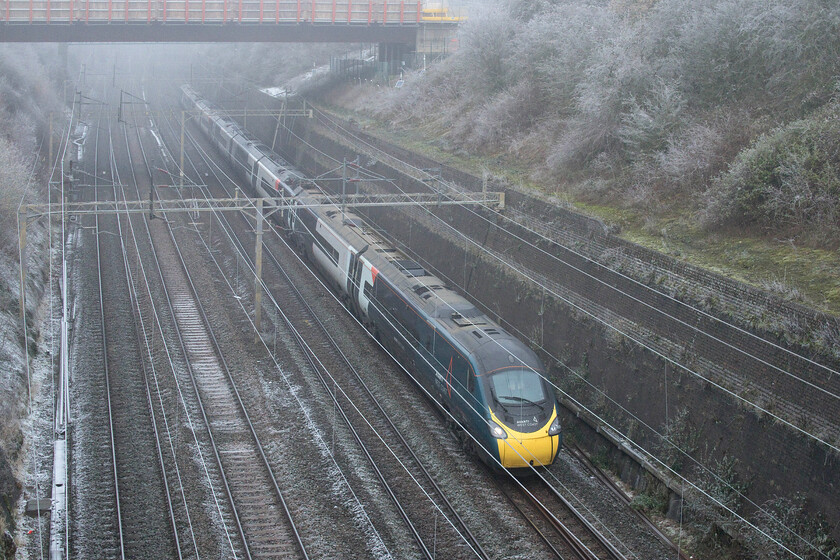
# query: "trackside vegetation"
[[28, 84], [787, 180]]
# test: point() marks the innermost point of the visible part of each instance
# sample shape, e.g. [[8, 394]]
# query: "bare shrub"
[[827, 339], [436, 96], [592, 128], [532, 145], [713, 512], [779, 287], [647, 125], [26, 94], [681, 440], [691, 154], [504, 117], [703, 148], [557, 49], [787, 181], [485, 46]]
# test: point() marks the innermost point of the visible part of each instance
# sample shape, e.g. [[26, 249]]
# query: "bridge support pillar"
[[62, 57], [394, 54]]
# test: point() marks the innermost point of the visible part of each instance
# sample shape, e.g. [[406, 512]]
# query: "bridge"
[[90, 21]]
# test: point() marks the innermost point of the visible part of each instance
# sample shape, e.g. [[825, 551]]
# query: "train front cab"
[[522, 450], [522, 408]]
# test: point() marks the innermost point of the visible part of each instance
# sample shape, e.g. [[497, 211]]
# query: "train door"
[[291, 221], [228, 142], [354, 279], [365, 285], [255, 169]]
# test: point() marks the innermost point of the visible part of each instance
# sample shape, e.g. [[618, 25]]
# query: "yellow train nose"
[[538, 451], [520, 450]]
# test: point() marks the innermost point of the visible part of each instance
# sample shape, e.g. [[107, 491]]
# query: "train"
[[489, 381]]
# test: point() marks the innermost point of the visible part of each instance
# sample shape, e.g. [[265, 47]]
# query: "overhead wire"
[[658, 353], [622, 333], [679, 365], [667, 440], [619, 273], [302, 341], [392, 320]]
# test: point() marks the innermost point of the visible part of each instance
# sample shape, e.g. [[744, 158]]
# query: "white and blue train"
[[488, 380]]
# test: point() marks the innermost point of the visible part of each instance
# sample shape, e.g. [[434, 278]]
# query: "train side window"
[[409, 320], [324, 245], [368, 290], [460, 369]]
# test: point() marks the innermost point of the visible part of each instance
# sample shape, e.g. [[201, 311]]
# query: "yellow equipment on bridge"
[[437, 12]]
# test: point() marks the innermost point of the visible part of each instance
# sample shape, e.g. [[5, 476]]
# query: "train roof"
[[447, 310]]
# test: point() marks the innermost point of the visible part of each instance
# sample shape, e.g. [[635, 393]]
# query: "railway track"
[[311, 328], [204, 517], [94, 441], [114, 480], [428, 514], [153, 293], [563, 529], [256, 502]]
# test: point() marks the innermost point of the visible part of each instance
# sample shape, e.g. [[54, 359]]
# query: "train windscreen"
[[518, 387]]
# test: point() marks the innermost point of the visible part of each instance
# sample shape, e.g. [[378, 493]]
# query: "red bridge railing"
[[211, 11]]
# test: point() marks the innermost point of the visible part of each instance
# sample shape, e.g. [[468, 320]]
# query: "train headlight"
[[554, 429], [497, 431]]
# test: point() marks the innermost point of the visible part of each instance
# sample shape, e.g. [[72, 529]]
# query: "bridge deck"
[[209, 20], [210, 11]]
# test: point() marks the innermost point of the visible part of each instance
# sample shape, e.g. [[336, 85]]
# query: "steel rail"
[[568, 536], [529, 520], [105, 354], [523, 489], [232, 383], [578, 545]]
